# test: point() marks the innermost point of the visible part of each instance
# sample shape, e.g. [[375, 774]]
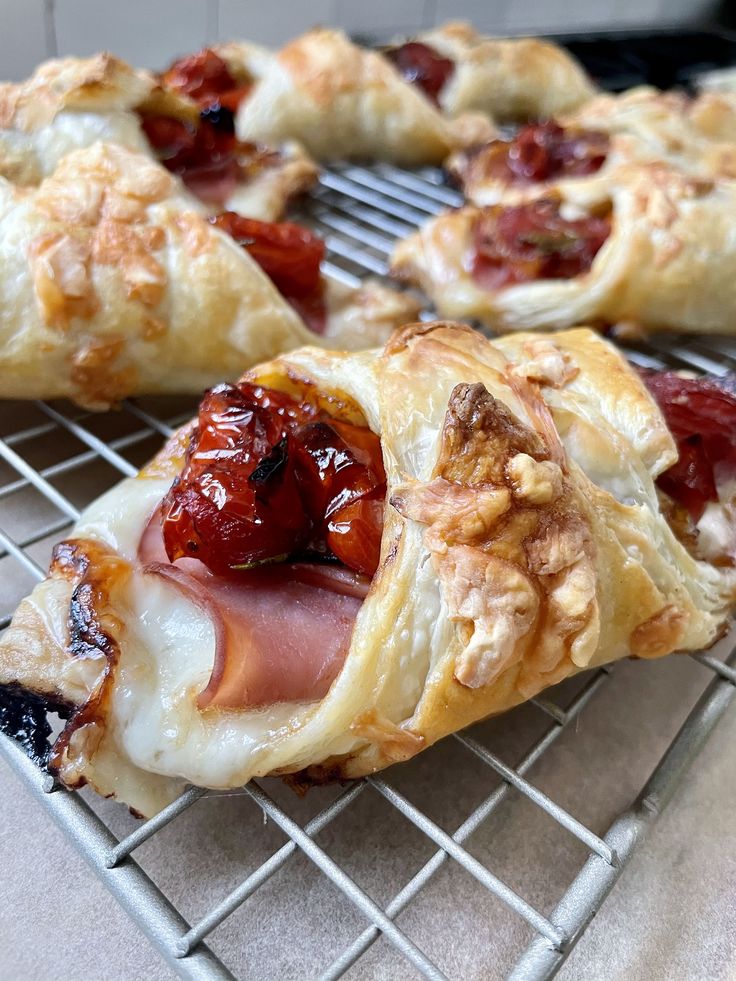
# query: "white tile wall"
[[529, 15], [382, 18], [488, 15], [23, 40], [152, 32], [147, 32], [272, 21]]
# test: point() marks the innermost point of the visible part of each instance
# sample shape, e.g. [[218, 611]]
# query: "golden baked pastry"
[[345, 102], [72, 103], [499, 529], [510, 79], [640, 126], [542, 158], [112, 283], [647, 244], [714, 114], [693, 134]]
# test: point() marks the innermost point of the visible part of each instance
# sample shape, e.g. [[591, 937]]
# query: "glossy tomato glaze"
[[540, 152], [533, 241], [701, 415], [206, 154], [269, 478], [290, 255], [422, 66]]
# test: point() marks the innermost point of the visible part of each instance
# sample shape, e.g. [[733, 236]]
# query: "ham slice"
[[281, 631]]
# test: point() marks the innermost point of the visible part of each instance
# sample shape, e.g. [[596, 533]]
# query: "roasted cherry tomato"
[[267, 477], [290, 255], [422, 66], [236, 502], [354, 533], [206, 79], [206, 154], [701, 415], [541, 152], [169, 137], [533, 241]]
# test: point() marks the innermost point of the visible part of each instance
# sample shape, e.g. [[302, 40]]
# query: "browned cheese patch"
[[660, 634], [510, 542]]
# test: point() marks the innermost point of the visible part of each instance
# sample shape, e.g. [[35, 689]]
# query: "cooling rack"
[[54, 459]]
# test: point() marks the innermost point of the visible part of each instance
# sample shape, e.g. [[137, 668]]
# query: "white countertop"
[[672, 914]]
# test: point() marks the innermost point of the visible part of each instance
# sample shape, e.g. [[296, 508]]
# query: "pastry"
[[183, 120], [345, 102], [648, 245], [112, 283], [349, 556], [714, 114], [680, 129], [640, 126], [510, 79]]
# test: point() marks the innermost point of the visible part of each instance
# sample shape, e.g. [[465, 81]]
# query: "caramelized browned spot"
[[61, 277], [660, 634], [394, 743], [131, 249], [95, 571], [96, 372], [479, 435], [510, 542]]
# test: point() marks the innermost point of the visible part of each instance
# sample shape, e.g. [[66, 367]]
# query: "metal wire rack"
[[54, 459]]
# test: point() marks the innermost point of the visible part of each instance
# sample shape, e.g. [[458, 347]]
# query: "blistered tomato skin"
[[290, 255], [267, 478], [527, 242], [701, 415], [206, 79], [422, 66], [542, 152]]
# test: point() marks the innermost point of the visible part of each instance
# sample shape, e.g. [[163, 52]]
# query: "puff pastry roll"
[[650, 246], [682, 130], [345, 102], [510, 79], [641, 126], [544, 158], [113, 284], [185, 120], [404, 542]]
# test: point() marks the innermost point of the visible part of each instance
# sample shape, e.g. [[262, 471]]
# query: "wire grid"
[[54, 459]]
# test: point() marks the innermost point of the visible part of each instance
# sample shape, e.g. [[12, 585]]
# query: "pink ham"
[[281, 631]]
